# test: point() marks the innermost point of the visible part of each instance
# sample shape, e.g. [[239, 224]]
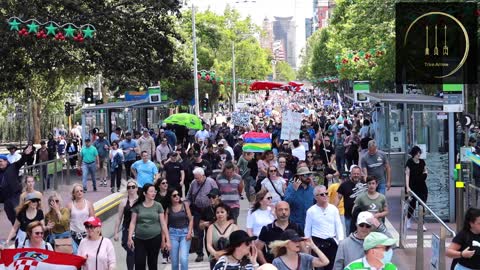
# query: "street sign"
[[360, 88], [453, 97]]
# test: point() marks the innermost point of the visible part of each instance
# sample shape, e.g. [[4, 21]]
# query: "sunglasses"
[[272, 170], [269, 198], [163, 183], [37, 233], [88, 227], [364, 225], [79, 191], [322, 194], [35, 200], [131, 187], [213, 196], [310, 156], [175, 195], [56, 201]]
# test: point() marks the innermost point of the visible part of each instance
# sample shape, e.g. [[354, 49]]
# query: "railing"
[[473, 193], [439, 262], [58, 171]]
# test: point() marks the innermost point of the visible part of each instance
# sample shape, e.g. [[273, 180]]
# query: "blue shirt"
[[145, 172], [299, 200], [171, 138], [126, 145]]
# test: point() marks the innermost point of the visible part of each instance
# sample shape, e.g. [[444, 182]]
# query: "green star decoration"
[[14, 25], [88, 32], [51, 29], [32, 27], [69, 31]]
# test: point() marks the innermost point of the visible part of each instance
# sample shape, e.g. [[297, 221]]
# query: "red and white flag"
[[38, 259]]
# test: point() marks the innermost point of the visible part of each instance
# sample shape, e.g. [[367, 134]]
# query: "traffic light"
[[67, 109], [89, 95], [205, 105], [72, 108]]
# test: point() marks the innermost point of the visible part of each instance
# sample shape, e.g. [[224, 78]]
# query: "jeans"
[[461, 267], [382, 188], [128, 166], [116, 177], [130, 253], [45, 177], [64, 235], [235, 212], [249, 183], [86, 169], [147, 250], [180, 248], [340, 160], [348, 222]]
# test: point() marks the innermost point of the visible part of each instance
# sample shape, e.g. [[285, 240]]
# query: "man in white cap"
[[378, 253], [351, 248]]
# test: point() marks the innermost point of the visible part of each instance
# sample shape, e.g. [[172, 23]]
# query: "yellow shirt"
[[332, 194]]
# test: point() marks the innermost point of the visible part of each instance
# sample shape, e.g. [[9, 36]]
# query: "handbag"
[[63, 245], [274, 188]]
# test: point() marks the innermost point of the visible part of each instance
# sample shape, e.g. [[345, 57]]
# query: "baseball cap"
[[291, 235], [374, 239], [341, 126], [93, 221], [213, 192], [363, 217]]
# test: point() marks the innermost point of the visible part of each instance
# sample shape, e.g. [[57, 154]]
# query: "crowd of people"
[[314, 202]]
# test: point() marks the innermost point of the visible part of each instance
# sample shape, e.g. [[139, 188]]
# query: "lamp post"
[[195, 67]]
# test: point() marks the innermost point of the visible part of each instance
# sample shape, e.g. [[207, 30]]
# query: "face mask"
[[387, 256]]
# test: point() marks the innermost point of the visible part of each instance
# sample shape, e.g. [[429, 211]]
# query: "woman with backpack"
[[116, 164], [179, 220], [219, 232]]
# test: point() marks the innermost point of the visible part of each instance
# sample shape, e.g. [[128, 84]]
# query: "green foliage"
[[284, 72], [322, 62]]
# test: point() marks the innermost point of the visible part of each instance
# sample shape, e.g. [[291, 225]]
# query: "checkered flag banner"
[[38, 259]]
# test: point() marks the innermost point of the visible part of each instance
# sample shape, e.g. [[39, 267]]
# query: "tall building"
[[322, 10], [266, 40], [279, 50], [284, 31]]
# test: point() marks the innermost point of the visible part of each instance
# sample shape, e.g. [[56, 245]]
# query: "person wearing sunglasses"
[[241, 253], [261, 213], [351, 248], [287, 252], [35, 233], [324, 226], [274, 184], [57, 219], [98, 250], [29, 211], [378, 250], [179, 220], [125, 214]]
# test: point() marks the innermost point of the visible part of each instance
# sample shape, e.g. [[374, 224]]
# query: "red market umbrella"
[[265, 85]]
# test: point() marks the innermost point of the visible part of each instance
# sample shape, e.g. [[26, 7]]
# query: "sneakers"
[[409, 223], [199, 259], [164, 260], [424, 228], [112, 190], [104, 182]]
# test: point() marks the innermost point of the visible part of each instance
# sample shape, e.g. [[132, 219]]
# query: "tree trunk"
[[36, 105]]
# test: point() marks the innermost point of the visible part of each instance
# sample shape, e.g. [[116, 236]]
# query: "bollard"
[[419, 257], [459, 204], [441, 257]]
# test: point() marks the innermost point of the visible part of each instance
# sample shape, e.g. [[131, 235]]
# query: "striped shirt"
[[229, 190]]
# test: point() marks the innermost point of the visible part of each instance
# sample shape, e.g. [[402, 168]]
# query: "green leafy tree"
[[284, 72]]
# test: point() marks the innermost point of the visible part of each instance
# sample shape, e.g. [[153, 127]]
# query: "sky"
[[259, 9]]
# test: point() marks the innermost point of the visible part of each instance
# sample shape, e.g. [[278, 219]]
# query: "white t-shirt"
[[258, 219], [278, 183], [114, 153], [202, 135]]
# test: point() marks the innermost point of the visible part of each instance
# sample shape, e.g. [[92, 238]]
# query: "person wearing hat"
[[146, 144], [13, 156], [10, 185], [29, 211], [287, 252], [351, 248], [97, 250], [378, 253], [241, 253], [299, 195]]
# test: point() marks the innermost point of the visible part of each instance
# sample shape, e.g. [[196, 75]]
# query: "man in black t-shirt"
[[320, 171], [174, 172], [349, 190], [274, 230], [327, 153]]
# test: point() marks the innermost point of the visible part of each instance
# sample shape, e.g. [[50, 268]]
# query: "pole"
[[195, 67], [234, 93], [419, 257], [451, 164]]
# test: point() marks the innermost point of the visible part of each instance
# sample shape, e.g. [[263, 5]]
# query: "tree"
[[134, 44], [322, 61], [284, 72]]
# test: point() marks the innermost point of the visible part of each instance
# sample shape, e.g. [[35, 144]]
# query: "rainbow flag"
[[257, 142]]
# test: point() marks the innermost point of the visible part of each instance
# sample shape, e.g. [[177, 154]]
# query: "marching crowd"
[[314, 202]]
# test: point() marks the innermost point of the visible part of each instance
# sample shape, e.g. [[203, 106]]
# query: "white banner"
[[241, 119], [291, 122]]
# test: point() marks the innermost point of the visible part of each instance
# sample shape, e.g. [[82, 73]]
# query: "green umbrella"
[[185, 119]]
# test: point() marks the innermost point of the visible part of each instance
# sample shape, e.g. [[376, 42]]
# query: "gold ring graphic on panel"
[[465, 34]]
